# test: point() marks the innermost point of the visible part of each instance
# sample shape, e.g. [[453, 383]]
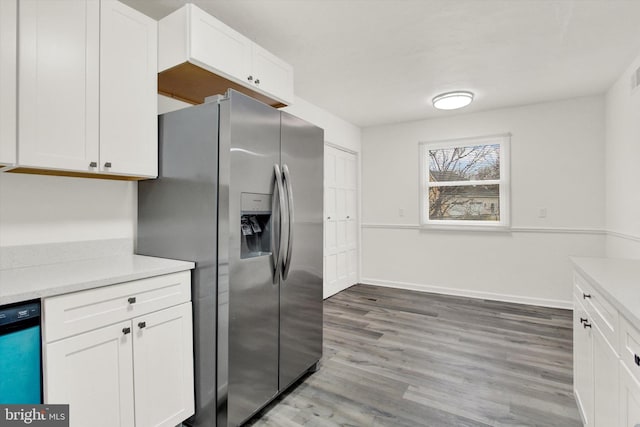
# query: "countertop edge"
[[163, 266], [619, 305]]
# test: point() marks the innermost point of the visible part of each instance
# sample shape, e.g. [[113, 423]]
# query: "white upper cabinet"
[[200, 56], [8, 68], [87, 89], [217, 47], [58, 83], [128, 85], [272, 74]]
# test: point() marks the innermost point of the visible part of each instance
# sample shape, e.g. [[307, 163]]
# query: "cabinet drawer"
[[71, 314], [598, 309], [630, 347]]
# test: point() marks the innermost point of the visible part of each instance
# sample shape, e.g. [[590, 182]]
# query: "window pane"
[[477, 162], [465, 202]]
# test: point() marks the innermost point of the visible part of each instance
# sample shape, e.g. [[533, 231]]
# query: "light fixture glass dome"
[[453, 100]]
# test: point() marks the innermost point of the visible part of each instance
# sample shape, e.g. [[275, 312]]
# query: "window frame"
[[504, 183]]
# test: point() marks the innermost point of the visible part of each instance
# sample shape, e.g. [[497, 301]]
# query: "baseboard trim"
[[469, 293]]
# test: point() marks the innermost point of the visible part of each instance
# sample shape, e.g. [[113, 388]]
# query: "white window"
[[464, 183]]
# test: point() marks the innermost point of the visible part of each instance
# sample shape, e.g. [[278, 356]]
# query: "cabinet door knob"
[[257, 81], [107, 164], [636, 359], [582, 320], [250, 78], [142, 325], [585, 296], [328, 217], [132, 300], [348, 217], [126, 331], [93, 165], [586, 325]]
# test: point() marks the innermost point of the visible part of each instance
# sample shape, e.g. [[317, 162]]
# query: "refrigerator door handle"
[[282, 220], [287, 260]]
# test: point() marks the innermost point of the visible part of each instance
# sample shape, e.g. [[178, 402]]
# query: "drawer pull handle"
[[142, 325], [636, 359], [582, 320], [587, 325], [132, 300], [126, 330], [585, 296]]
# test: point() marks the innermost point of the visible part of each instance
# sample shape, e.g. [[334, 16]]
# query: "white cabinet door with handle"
[[128, 85], [58, 84], [93, 372], [163, 360]]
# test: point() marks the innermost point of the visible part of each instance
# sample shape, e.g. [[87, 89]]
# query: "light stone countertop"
[[21, 284], [617, 279]]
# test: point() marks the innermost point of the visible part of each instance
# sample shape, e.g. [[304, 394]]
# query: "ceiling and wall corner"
[[372, 62]]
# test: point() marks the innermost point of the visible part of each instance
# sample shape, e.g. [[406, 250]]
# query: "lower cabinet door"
[[163, 360], [582, 364], [629, 398], [606, 408], [92, 373]]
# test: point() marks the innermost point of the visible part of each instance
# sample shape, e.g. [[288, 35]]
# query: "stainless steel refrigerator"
[[240, 193]]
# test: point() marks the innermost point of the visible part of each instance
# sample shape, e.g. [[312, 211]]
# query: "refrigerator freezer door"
[[254, 141], [301, 292]]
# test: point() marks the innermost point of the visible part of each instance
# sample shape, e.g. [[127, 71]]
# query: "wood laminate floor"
[[402, 358]]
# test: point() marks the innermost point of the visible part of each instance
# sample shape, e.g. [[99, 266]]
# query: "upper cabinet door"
[[128, 87], [272, 75], [219, 48], [8, 67], [58, 83]]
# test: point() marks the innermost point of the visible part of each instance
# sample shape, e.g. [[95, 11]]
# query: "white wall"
[[622, 171], [556, 163], [37, 209], [336, 130]]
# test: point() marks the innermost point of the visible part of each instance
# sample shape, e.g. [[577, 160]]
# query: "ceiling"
[[374, 62]]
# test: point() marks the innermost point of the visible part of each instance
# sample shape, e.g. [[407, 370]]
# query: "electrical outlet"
[[400, 212], [542, 212]]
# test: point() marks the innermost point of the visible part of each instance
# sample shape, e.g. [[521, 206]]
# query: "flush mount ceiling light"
[[453, 100]]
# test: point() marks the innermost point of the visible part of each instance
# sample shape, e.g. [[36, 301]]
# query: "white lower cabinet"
[[163, 367], [605, 381], [582, 364], [92, 372], [136, 372], [604, 397], [629, 398]]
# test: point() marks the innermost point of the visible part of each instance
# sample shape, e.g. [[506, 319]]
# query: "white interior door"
[[341, 220]]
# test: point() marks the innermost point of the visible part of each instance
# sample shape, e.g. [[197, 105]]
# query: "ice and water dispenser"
[[255, 225]]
